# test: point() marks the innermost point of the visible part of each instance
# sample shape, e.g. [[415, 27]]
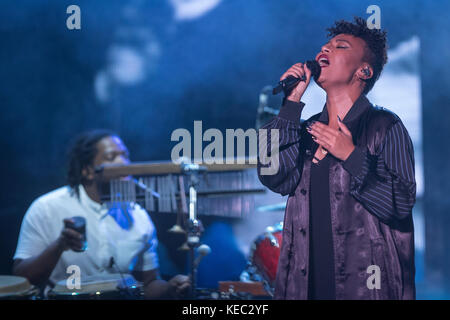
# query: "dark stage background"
[[146, 68]]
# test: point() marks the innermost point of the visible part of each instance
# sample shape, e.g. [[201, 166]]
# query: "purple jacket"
[[371, 198]]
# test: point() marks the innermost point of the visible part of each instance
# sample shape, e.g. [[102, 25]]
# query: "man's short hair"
[[81, 154], [376, 42]]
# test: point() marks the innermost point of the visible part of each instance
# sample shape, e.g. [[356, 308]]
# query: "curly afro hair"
[[376, 42]]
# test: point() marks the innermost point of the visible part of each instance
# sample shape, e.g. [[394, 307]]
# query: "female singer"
[[349, 173]]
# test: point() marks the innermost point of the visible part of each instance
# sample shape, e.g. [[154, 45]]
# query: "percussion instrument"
[[99, 287], [252, 288], [264, 255], [79, 225], [17, 288], [224, 189]]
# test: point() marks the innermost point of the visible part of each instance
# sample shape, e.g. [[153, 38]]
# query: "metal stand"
[[194, 226]]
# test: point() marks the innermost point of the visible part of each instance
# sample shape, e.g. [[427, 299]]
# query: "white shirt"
[[109, 234]]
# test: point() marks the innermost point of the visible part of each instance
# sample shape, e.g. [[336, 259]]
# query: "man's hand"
[[180, 285], [70, 239], [298, 70], [338, 142]]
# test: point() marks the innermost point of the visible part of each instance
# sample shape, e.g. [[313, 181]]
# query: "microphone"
[[290, 82], [203, 251], [113, 263]]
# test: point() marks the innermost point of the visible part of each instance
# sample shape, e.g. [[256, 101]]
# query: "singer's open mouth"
[[323, 61]]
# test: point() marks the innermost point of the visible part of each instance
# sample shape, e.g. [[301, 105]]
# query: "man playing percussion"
[[121, 241]]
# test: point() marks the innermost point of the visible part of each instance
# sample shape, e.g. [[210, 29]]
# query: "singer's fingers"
[[296, 71], [299, 68], [302, 71], [288, 73], [307, 71], [325, 144], [325, 128], [293, 73], [321, 134]]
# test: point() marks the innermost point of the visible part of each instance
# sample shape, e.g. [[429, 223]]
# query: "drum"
[[265, 253], [17, 288], [99, 287]]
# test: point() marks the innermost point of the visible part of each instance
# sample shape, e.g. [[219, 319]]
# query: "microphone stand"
[[194, 225]]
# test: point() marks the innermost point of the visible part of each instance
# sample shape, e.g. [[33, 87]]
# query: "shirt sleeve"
[[385, 184], [32, 237], [286, 177]]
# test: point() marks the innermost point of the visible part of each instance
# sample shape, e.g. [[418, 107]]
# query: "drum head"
[[11, 286], [96, 285]]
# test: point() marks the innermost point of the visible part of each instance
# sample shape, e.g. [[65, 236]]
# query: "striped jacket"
[[372, 194]]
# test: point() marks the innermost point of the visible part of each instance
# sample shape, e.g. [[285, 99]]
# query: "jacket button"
[[303, 191], [308, 152], [304, 271], [302, 231]]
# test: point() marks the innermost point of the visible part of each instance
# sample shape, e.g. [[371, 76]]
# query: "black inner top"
[[321, 268]]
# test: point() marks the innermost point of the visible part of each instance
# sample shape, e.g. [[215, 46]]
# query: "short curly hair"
[[375, 40], [81, 154]]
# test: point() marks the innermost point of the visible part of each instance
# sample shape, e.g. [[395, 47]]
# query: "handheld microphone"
[[290, 82]]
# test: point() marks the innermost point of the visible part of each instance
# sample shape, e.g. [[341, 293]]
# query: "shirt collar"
[[351, 118], [88, 202]]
